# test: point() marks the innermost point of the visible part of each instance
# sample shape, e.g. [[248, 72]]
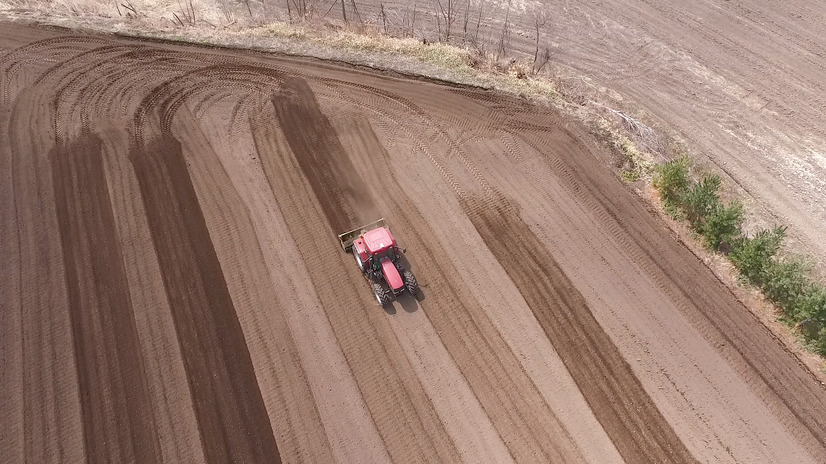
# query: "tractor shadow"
[[408, 303]]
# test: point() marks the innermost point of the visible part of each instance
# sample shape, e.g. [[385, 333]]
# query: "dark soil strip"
[[322, 158], [618, 400], [231, 414], [746, 343], [117, 415]]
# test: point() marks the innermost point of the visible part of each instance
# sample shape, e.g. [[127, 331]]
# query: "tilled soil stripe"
[[117, 417], [616, 396], [529, 428], [293, 414], [322, 157], [403, 414], [231, 414]]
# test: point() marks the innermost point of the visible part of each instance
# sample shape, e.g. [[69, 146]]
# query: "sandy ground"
[[173, 289]]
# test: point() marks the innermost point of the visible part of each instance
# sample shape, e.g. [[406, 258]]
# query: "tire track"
[[11, 314], [166, 376], [321, 157], [216, 296], [640, 434], [657, 340], [346, 421], [293, 415], [52, 428]]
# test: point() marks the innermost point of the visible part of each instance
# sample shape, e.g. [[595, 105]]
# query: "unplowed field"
[[173, 290]]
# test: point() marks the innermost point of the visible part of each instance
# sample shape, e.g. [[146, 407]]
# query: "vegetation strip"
[[784, 279]]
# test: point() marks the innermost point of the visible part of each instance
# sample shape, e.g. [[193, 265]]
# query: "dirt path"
[[176, 292]]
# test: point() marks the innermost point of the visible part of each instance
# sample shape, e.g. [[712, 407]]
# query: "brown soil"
[[175, 291]]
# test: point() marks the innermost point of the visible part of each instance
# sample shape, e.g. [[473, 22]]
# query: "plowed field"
[[173, 289]]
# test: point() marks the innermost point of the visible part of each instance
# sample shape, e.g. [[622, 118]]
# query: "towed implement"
[[379, 258]]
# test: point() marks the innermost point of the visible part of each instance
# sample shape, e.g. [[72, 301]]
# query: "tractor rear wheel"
[[383, 295], [410, 282]]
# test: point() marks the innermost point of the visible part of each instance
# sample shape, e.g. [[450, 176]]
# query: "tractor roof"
[[378, 240]]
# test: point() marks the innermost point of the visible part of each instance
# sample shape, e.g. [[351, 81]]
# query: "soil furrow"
[[743, 339], [286, 394], [323, 160]]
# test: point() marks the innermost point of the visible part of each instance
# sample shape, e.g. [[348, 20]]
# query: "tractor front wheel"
[[410, 282], [383, 295]]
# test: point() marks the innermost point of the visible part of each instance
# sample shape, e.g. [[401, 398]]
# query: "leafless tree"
[[408, 20], [383, 16], [472, 30], [465, 19], [478, 21], [354, 11], [445, 15], [504, 36], [302, 9], [187, 16], [540, 59], [131, 12], [413, 20]]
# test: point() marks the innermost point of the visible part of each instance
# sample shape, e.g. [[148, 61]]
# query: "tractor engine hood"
[[391, 275]]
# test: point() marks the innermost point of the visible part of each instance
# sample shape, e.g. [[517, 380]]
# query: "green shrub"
[[787, 283], [672, 181], [813, 304], [753, 256], [784, 282], [723, 226], [820, 342], [700, 201], [811, 313]]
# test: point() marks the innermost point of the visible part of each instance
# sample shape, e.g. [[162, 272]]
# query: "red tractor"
[[379, 258]]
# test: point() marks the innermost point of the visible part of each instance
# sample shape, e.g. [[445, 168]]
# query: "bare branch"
[[504, 36]]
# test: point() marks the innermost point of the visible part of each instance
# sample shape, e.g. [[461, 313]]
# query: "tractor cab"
[[379, 242], [376, 252]]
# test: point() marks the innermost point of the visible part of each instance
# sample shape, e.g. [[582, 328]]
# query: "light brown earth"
[[172, 288]]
